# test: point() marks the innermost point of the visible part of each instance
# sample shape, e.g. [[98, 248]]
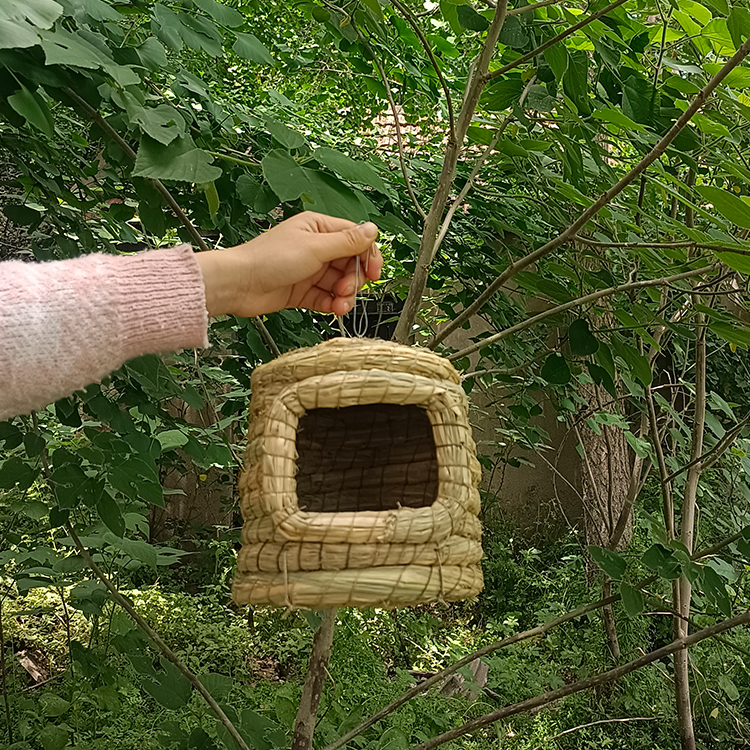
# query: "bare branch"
[[125, 146], [602, 201], [397, 123], [157, 640], [550, 43], [473, 90], [266, 336], [475, 171], [317, 670], [678, 645], [406, 13], [539, 630], [579, 302], [532, 7]]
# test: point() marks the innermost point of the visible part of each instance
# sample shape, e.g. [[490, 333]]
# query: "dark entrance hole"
[[372, 457]]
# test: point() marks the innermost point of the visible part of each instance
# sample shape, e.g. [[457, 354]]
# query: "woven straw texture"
[[360, 481]]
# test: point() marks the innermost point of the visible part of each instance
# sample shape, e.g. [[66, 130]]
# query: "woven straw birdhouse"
[[360, 481]]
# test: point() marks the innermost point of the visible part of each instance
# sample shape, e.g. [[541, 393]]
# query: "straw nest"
[[360, 481]]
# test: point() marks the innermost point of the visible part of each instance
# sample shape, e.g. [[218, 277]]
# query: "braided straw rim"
[[400, 557]]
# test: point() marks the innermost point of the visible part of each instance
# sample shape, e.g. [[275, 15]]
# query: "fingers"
[[355, 240]]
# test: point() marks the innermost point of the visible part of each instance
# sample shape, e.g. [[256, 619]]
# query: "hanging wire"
[[360, 323]]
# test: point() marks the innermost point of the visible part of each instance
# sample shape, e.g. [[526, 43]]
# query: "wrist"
[[218, 283]]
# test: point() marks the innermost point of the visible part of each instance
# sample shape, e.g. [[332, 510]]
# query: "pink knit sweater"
[[66, 324]]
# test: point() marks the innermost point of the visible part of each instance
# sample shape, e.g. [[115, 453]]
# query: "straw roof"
[[360, 480]]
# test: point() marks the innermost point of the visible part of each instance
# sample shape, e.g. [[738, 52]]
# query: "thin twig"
[[593, 724], [406, 13], [157, 640], [266, 336], [475, 171], [425, 254], [396, 122], [542, 47], [4, 673], [572, 230], [533, 6], [710, 457], [678, 645], [580, 301]]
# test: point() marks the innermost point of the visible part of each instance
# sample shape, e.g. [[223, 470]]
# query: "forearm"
[[66, 324]]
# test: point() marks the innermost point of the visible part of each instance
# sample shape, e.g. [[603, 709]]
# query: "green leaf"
[[734, 335], [715, 590], [218, 685], [212, 197], [285, 136], [662, 560], [167, 26], [513, 33], [200, 34], [731, 207], [349, 169], [326, 195], [503, 94], [152, 54], [557, 58], [17, 35], [247, 189], [181, 160], [53, 705], [33, 108], [539, 100], [163, 122], [601, 377], [576, 80], [109, 512], [610, 562], [738, 24], [16, 472], [221, 13], [470, 19], [286, 178], [729, 688], [170, 439], [40, 13], [555, 370], [249, 47], [616, 117], [637, 97], [53, 737], [582, 341], [170, 689], [139, 550], [89, 597], [632, 599]]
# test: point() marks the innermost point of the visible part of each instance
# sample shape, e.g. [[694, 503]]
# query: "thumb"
[[349, 242]]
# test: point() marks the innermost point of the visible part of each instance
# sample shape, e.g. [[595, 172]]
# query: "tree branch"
[[679, 644], [602, 201], [579, 302], [266, 336], [532, 7], [539, 630], [156, 639], [593, 724], [397, 123], [125, 146], [542, 47], [406, 13], [472, 91]]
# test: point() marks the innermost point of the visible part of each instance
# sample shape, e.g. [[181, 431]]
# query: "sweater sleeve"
[[66, 324]]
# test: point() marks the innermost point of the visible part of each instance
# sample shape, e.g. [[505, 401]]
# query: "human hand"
[[306, 261]]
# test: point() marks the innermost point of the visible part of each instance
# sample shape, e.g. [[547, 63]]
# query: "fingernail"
[[368, 230]]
